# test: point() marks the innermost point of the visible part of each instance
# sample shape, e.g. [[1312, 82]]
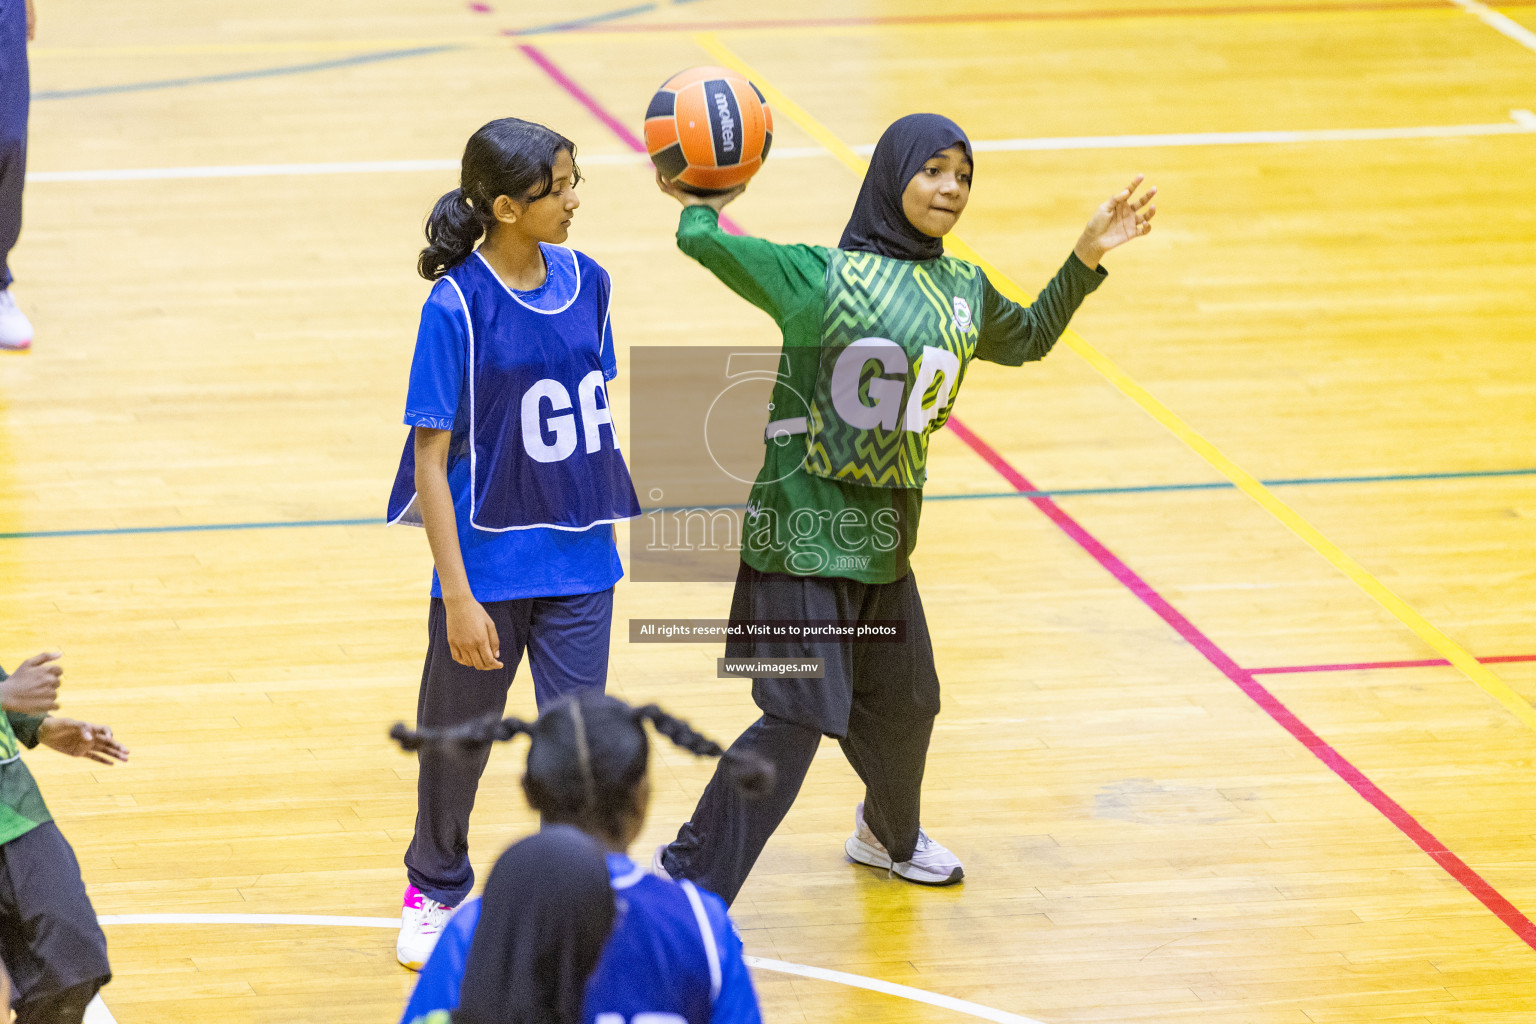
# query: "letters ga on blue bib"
[[534, 422]]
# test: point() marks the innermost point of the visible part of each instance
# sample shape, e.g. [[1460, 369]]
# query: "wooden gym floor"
[[1157, 824]]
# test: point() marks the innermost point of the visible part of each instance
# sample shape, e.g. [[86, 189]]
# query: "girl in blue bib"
[[673, 955], [513, 467]]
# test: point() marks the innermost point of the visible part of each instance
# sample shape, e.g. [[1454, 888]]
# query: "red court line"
[[1336, 762], [1005, 17], [1360, 666]]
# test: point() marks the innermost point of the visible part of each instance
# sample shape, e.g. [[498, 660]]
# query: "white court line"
[[916, 995], [1493, 19], [1515, 126], [1521, 122], [96, 1012], [320, 920], [283, 170]]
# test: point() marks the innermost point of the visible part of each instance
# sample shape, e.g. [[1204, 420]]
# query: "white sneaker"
[[421, 922], [931, 863], [657, 867], [15, 328]]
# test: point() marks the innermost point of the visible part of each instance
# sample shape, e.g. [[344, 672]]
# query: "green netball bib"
[[896, 338], [9, 747]]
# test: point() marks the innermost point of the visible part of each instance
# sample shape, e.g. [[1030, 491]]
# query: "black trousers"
[[879, 700], [13, 172], [15, 96], [567, 643], [49, 939]]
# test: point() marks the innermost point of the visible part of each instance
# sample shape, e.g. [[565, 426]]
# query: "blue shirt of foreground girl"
[[513, 564], [673, 951]]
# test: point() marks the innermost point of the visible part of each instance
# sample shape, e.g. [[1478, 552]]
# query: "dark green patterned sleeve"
[[1012, 334], [25, 727]]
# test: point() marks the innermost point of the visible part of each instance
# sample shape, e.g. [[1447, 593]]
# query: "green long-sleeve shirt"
[[21, 802], [790, 284]]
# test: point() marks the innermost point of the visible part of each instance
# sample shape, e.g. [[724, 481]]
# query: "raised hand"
[[81, 739], [1122, 217], [33, 688]]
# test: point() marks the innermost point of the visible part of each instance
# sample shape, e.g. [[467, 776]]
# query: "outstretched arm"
[[1012, 334], [81, 739], [781, 280]]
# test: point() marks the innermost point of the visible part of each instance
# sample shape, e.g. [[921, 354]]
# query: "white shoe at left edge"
[[15, 328], [931, 863]]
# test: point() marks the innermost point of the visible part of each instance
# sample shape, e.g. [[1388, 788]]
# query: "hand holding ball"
[[708, 130]]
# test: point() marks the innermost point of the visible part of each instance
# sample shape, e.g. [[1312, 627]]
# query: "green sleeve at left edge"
[[25, 727]]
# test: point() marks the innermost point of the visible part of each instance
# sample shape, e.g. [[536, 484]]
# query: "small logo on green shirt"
[[962, 314]]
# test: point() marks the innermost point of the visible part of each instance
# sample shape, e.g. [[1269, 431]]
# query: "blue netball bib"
[[535, 425]]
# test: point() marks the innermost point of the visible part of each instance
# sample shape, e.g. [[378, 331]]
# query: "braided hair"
[[589, 751]]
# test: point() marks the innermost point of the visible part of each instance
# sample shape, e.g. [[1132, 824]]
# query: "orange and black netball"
[[708, 129]]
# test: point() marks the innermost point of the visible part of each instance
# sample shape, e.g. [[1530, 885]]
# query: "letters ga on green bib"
[[896, 339]]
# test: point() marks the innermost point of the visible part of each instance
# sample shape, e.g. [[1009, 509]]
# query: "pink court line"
[[1005, 17], [1336, 762], [1361, 666]]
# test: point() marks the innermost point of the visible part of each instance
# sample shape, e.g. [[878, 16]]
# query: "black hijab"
[[544, 918], [878, 224]]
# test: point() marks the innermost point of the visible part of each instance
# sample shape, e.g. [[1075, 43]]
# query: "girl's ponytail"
[[453, 228], [507, 157], [466, 738], [752, 773]]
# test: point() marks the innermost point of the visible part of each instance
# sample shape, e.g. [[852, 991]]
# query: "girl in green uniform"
[[878, 333], [52, 946]]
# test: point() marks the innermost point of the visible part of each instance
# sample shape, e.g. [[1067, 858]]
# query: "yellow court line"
[[1245, 481]]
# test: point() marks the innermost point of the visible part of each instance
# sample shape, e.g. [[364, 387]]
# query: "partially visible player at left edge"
[[50, 941]]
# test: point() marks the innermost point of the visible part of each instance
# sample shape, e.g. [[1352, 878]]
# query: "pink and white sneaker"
[[421, 922]]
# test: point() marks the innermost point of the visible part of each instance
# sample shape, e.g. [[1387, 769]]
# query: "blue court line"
[[194, 528], [591, 19], [236, 76], [326, 65], [575, 23], [1225, 485], [1065, 492]]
